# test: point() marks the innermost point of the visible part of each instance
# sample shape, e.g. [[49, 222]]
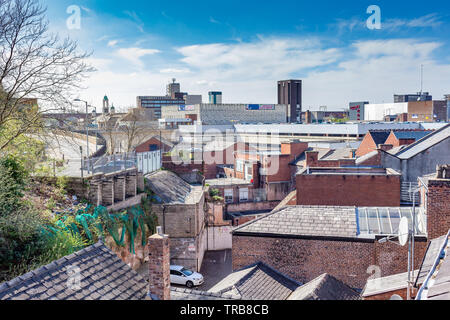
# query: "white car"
[[185, 277]]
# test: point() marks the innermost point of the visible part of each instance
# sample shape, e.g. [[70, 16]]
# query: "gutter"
[[432, 271]]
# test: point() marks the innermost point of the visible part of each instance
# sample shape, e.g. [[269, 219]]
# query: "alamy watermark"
[[73, 22], [74, 280], [374, 21]]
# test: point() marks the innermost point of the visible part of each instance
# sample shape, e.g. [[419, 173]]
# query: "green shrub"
[[214, 192], [13, 179]]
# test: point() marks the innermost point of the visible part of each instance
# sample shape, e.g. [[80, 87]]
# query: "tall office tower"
[[420, 96], [290, 94], [447, 97], [215, 97], [173, 88]]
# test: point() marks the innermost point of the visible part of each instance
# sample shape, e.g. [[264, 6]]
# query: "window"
[[228, 195], [248, 172], [243, 194], [239, 166], [175, 273], [153, 147]]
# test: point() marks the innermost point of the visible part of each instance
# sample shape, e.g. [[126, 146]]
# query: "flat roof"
[[227, 182], [349, 171], [386, 284]]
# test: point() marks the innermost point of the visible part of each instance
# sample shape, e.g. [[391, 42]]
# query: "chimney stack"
[[159, 265]]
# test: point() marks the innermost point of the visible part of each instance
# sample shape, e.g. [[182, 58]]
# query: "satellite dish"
[[420, 223], [403, 231], [396, 297]]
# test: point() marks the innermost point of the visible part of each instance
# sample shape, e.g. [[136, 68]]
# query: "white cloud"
[[262, 58], [112, 43], [134, 55], [212, 20], [175, 70], [389, 24], [248, 72]]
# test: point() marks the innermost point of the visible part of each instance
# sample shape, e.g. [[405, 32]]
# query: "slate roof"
[[417, 135], [189, 294], [171, 189], [337, 154], [425, 143], [325, 287], [379, 137], [437, 283], [320, 221], [103, 275], [366, 157], [257, 282]]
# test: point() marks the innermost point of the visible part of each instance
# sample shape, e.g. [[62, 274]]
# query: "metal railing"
[[109, 163]]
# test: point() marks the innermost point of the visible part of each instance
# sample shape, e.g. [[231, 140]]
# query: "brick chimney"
[[312, 158], [159, 266], [437, 204], [385, 147]]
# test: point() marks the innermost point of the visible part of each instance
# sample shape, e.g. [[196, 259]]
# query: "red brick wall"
[[438, 208], [348, 190], [183, 167], [373, 161], [145, 147], [388, 295], [305, 260]]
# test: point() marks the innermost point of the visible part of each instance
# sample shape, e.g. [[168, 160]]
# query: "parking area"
[[216, 266]]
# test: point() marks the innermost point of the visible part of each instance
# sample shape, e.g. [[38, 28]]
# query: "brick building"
[[435, 191], [180, 211], [348, 187], [155, 143], [401, 138], [269, 170], [371, 141]]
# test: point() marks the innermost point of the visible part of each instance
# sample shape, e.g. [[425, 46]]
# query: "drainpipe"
[[164, 219]]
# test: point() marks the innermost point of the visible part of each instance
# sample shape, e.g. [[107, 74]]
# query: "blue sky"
[[243, 47]]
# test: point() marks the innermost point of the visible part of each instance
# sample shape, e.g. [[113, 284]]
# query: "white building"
[[377, 112]]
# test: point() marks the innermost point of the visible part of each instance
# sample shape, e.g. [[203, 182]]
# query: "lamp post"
[[87, 132]]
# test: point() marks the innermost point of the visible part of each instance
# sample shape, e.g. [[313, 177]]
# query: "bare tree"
[[33, 64], [133, 129]]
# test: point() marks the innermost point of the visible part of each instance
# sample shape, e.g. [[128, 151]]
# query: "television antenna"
[[405, 236]]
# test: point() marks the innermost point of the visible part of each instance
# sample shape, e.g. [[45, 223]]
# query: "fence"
[[148, 162], [145, 162]]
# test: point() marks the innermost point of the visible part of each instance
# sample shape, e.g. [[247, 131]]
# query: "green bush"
[[13, 179], [20, 241], [214, 192]]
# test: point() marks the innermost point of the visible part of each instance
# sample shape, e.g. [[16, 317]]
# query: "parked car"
[[185, 277]]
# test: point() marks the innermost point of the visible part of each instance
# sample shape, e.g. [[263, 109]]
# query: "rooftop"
[[325, 287], [257, 282], [436, 285], [332, 222], [425, 143], [349, 171], [171, 189], [386, 284], [220, 182], [189, 294], [101, 273]]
